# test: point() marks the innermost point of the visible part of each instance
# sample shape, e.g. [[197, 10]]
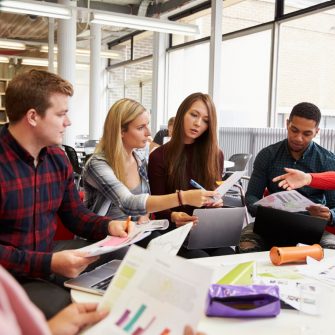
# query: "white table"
[[288, 322]]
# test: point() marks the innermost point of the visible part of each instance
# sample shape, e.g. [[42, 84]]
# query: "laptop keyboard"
[[103, 284]]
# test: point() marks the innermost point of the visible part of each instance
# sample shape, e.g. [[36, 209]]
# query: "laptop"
[[97, 280], [281, 228], [217, 227]]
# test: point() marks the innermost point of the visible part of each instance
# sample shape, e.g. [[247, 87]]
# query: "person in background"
[[298, 151], [192, 153], [115, 178], [295, 179], [18, 315], [161, 134], [36, 187]]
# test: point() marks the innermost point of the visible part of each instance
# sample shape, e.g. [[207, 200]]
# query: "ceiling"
[[33, 30]]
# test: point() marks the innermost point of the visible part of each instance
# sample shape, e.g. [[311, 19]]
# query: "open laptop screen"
[[281, 228]]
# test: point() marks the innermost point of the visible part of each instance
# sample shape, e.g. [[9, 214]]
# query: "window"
[[201, 19], [245, 14], [307, 65], [245, 81], [133, 81], [124, 50], [143, 44], [294, 5], [188, 73]]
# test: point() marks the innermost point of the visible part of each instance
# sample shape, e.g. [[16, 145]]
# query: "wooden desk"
[[288, 322]]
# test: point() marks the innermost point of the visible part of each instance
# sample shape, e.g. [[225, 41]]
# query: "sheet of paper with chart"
[[154, 294], [290, 201]]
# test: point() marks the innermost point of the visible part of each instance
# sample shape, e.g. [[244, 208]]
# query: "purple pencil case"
[[235, 301]]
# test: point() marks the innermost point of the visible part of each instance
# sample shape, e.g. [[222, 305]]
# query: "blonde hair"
[[118, 118]]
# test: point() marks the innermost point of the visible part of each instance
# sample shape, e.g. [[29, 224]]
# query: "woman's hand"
[[74, 318], [217, 203], [293, 179], [198, 198], [181, 218]]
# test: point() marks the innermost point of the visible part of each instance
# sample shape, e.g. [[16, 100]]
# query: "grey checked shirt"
[[101, 185]]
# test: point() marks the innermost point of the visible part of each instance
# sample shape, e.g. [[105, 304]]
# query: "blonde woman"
[[115, 177]]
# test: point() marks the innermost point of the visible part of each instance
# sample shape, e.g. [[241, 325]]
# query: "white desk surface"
[[288, 322]]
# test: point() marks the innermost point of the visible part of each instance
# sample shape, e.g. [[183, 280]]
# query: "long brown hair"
[[117, 120], [206, 165]]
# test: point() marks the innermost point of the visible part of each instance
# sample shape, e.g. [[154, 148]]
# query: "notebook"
[[217, 227], [282, 228], [97, 280]]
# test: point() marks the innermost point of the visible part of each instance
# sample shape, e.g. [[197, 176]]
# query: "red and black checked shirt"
[[30, 199]]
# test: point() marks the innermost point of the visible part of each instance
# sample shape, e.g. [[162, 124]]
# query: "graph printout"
[[154, 294], [290, 201]]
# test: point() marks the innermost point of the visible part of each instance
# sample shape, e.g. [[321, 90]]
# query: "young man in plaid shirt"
[[36, 186]]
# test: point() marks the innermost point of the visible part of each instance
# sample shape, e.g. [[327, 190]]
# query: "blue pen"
[[196, 185], [199, 187]]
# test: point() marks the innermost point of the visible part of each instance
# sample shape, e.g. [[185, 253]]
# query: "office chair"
[[73, 158], [89, 146], [240, 160], [240, 164]]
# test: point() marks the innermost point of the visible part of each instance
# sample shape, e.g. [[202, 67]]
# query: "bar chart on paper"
[[153, 294], [138, 321]]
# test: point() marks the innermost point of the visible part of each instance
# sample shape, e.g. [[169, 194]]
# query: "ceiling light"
[[144, 23], [35, 62], [35, 8], [85, 52], [4, 59], [6, 44], [45, 63]]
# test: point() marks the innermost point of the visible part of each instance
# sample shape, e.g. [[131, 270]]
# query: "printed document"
[[230, 182], [289, 201], [154, 293], [112, 243]]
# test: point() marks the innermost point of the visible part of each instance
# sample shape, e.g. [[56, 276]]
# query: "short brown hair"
[[32, 89]]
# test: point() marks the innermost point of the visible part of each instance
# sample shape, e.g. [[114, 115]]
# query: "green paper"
[[241, 274]]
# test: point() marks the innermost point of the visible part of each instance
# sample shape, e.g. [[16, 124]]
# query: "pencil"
[[127, 224]]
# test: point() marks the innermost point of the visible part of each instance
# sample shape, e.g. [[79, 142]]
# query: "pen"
[[127, 224], [196, 185]]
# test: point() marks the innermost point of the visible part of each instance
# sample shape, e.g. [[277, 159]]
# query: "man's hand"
[[320, 211], [181, 218], [72, 319], [70, 263], [120, 228]]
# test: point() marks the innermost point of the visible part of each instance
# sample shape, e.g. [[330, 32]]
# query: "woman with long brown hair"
[[115, 177], [192, 153]]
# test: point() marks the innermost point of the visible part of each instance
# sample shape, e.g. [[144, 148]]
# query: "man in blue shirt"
[[298, 151]]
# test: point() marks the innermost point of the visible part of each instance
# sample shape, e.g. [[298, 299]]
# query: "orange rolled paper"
[[285, 255]]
